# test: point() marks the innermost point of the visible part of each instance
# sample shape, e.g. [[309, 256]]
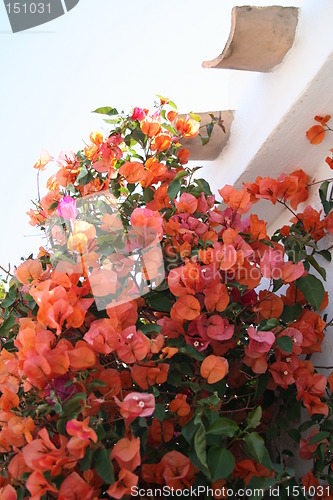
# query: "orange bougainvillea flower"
[[123, 486], [43, 455], [102, 336], [132, 171], [248, 468], [81, 429], [38, 485], [260, 341], [127, 453], [161, 142], [214, 368], [44, 159], [162, 431], [183, 156], [314, 405], [329, 162], [186, 307], [176, 470], [150, 126], [322, 119], [74, 487], [8, 493], [187, 203], [136, 404], [171, 115], [180, 406], [103, 282], [188, 127], [29, 271], [81, 357], [291, 272], [330, 381], [133, 345], [270, 306], [240, 201], [257, 228], [316, 134]]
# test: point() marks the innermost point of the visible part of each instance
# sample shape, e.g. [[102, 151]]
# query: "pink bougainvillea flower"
[[138, 114], [67, 208], [136, 404], [81, 429], [260, 341]]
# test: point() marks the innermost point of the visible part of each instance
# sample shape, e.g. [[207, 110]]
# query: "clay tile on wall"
[[218, 139], [259, 39]]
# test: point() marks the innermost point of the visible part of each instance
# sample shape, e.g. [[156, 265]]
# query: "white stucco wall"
[[272, 113], [267, 101]]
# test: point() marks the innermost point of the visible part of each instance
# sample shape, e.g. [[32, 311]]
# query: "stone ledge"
[[259, 39], [217, 141]]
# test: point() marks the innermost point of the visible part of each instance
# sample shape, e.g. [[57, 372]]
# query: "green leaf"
[[256, 487], [268, 325], [262, 382], [204, 186], [95, 384], [267, 242], [291, 313], [295, 435], [159, 302], [139, 136], [326, 254], [327, 204], [2, 291], [84, 176], [319, 437], [189, 430], [106, 110], [173, 189], [200, 445], [221, 462], [285, 344], [254, 417], [195, 117], [320, 270], [7, 301], [255, 446], [312, 289], [104, 467], [192, 352], [148, 194], [209, 128], [85, 463], [181, 174], [204, 140], [223, 427], [160, 412], [7, 325]]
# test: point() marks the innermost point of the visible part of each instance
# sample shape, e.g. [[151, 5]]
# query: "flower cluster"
[[162, 338]]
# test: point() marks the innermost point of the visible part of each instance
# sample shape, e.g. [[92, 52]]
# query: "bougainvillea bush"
[[163, 339]]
